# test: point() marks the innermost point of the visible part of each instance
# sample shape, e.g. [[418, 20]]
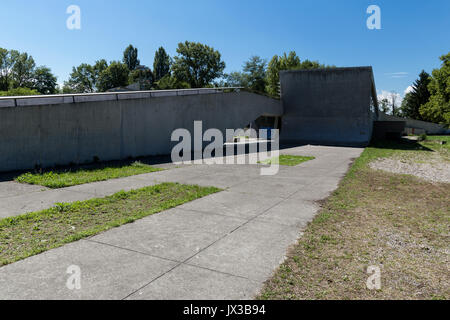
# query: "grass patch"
[[33, 233], [397, 222], [70, 177], [287, 160]]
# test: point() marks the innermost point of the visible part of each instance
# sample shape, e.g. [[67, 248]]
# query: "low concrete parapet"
[[55, 130]]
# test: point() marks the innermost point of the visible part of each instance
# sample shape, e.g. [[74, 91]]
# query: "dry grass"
[[396, 222]]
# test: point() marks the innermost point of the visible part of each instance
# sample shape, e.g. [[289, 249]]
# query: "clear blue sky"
[[413, 36]]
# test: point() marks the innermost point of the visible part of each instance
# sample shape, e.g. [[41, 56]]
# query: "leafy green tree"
[[22, 70], [84, 78], [97, 69], [6, 64], [384, 105], [143, 76], [437, 109], [44, 81], [255, 73], [197, 64], [116, 75], [253, 76], [81, 80], [308, 64], [18, 92], [418, 96], [234, 79], [273, 76], [277, 64], [130, 57], [286, 62], [161, 64], [170, 82]]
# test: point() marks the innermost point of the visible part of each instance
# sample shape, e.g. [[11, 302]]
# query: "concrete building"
[[335, 106], [328, 106]]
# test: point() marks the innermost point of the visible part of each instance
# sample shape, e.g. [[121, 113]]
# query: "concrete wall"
[[328, 106], [61, 129], [423, 126]]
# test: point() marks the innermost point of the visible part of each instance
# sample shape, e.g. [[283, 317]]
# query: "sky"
[[413, 34]]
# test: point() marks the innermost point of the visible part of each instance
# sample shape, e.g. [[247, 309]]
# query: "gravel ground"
[[435, 171]]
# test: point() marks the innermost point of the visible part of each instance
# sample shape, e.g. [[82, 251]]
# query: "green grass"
[[33, 233], [287, 160], [67, 178], [397, 222]]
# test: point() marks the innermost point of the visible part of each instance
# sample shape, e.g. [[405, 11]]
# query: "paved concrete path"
[[223, 246]]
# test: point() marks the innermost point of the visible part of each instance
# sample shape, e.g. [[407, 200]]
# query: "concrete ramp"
[[62, 129]]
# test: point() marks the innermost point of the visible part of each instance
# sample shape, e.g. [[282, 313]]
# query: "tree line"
[[429, 97], [196, 65], [20, 76]]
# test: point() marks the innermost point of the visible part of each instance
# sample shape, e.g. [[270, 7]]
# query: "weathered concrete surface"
[[331, 106], [428, 127], [223, 246], [58, 131]]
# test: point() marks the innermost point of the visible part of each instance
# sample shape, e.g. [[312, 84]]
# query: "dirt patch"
[[435, 170]]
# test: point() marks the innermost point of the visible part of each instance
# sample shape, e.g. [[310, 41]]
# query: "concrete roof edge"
[[98, 94], [329, 69]]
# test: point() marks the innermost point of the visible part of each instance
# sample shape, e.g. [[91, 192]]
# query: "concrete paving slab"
[[252, 251], [192, 283], [291, 212], [174, 234], [233, 204], [36, 201], [272, 189], [106, 273], [181, 175], [12, 188], [322, 189], [220, 180], [102, 189], [294, 178]]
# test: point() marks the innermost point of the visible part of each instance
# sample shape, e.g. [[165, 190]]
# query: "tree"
[[286, 62], [44, 81], [273, 76], [84, 78], [197, 64], [22, 70], [394, 97], [130, 57], [308, 64], [255, 73], [19, 92], [418, 96], [384, 105], [144, 76], [6, 64], [234, 79], [170, 82], [437, 109], [97, 69], [81, 79], [161, 64], [116, 75]]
